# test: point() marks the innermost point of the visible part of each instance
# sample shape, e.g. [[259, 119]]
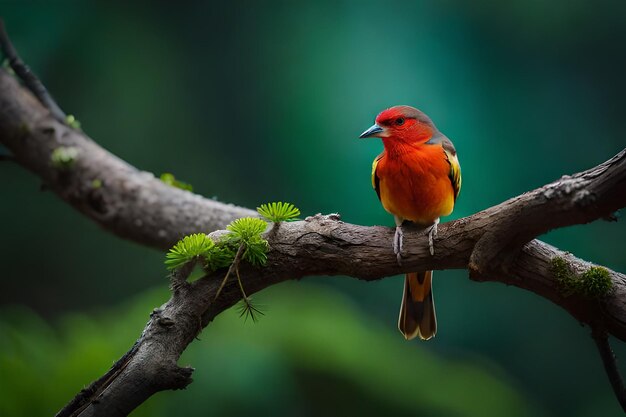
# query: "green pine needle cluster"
[[247, 231], [220, 256], [245, 242], [247, 310], [247, 228], [169, 179], [256, 253], [278, 212], [188, 249]]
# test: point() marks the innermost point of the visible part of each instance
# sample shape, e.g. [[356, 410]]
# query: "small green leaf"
[[278, 211], [169, 179], [72, 121], [64, 157], [187, 249]]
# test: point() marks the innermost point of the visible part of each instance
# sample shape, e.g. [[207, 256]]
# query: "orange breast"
[[414, 183]]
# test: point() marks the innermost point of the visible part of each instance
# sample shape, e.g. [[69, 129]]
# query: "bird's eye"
[[400, 121]]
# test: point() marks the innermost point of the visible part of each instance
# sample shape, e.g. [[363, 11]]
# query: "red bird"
[[417, 178]]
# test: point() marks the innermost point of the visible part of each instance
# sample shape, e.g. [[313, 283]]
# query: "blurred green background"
[[263, 101]]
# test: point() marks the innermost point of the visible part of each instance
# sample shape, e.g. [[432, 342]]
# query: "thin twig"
[[243, 292], [234, 265], [26, 75], [601, 337]]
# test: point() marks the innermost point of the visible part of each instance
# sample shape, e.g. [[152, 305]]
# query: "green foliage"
[[64, 157], [188, 249], [307, 360], [593, 283], [220, 256], [256, 252], [278, 212], [244, 242], [169, 179], [247, 231], [72, 122], [247, 228]]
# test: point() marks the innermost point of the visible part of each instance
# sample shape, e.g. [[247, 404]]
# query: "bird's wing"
[[453, 160], [455, 167], [375, 179]]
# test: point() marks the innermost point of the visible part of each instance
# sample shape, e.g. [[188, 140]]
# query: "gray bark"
[[131, 203]]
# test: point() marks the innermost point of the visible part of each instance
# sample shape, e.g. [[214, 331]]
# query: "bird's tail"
[[417, 311]]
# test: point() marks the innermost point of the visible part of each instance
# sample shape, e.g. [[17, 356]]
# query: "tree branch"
[[575, 199], [610, 364], [130, 203], [323, 245], [26, 75], [495, 244]]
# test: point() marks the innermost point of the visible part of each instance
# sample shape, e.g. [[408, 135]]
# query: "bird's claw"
[[397, 244], [432, 233]]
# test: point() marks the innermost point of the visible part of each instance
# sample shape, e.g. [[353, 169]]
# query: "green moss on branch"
[[593, 283]]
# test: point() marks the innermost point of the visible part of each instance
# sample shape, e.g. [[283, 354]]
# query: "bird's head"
[[401, 123]]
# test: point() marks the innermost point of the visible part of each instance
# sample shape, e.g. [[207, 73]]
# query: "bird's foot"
[[397, 244], [432, 233]]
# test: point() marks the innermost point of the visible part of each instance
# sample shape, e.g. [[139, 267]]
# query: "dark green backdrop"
[[263, 101]]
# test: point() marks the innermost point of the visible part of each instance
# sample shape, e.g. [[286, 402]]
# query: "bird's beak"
[[374, 131]]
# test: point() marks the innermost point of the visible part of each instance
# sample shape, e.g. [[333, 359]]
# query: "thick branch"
[[576, 199], [130, 203], [322, 245]]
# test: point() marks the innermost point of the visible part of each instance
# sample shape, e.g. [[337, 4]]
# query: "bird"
[[417, 178]]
